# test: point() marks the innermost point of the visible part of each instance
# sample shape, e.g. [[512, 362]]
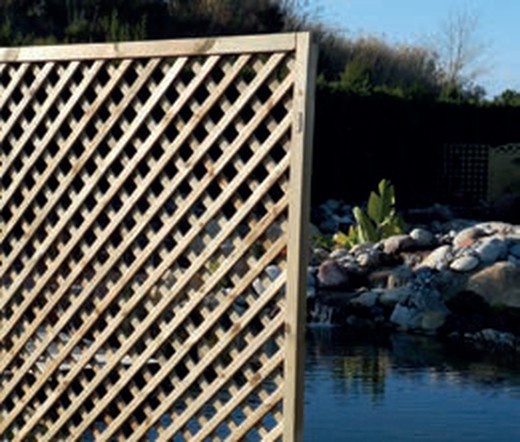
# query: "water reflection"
[[370, 384]]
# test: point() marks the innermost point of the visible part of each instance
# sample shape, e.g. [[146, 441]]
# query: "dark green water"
[[403, 388]]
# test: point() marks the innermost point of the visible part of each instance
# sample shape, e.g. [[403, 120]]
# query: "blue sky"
[[416, 21]]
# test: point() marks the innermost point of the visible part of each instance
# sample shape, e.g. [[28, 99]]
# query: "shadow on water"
[[402, 387]]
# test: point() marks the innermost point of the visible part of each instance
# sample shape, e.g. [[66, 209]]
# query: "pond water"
[[405, 388]]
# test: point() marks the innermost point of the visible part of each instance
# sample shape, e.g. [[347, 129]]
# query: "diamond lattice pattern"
[[145, 206]]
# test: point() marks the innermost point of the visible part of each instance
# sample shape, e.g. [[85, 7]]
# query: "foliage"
[[364, 66], [380, 220], [373, 66], [508, 98], [461, 53], [323, 241]]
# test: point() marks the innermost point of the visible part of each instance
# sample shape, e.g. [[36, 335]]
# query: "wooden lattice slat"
[[153, 244]]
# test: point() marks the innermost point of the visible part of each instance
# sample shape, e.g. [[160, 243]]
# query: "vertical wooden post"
[[299, 210]]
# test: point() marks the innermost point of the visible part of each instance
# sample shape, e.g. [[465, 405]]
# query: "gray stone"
[[496, 227], [366, 247], [498, 284], [273, 271], [465, 263], [397, 243], [439, 258], [422, 237], [491, 249], [497, 338], [513, 260], [391, 297], [370, 258], [467, 237], [367, 299], [515, 250], [338, 253], [421, 310], [213, 228], [319, 254], [331, 274], [258, 287], [311, 279], [400, 276]]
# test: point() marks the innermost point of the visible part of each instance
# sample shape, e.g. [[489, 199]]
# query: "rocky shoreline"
[[456, 279]]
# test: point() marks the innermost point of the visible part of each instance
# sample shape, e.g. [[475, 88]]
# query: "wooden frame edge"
[[298, 241], [151, 48]]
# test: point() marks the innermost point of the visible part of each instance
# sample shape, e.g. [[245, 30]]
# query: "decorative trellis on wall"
[[465, 172], [154, 201]]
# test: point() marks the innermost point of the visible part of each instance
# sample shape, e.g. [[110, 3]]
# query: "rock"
[[496, 338], [496, 227], [390, 298], [370, 258], [498, 284], [515, 250], [379, 278], [273, 271], [311, 279], [413, 259], [465, 263], [366, 247], [424, 276], [258, 287], [332, 275], [400, 276], [433, 320], [439, 258], [513, 260], [319, 255], [467, 237], [421, 310], [367, 299], [422, 237], [397, 243], [450, 284], [338, 253], [491, 249]]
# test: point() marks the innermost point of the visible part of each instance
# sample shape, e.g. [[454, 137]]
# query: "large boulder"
[[491, 249], [439, 258], [332, 275], [467, 237], [498, 284], [398, 243], [423, 238], [422, 311], [465, 263]]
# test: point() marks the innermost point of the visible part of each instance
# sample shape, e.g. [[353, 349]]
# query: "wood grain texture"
[[147, 194]]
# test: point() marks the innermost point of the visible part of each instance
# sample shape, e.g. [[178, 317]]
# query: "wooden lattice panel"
[[153, 252], [464, 177]]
